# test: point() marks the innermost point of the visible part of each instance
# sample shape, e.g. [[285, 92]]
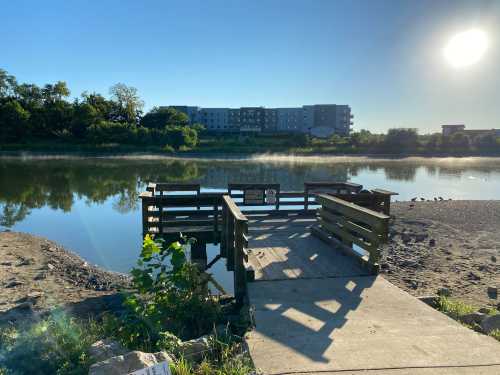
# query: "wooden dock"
[[310, 275]]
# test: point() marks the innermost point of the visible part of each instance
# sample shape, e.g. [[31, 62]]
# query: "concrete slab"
[[358, 325]]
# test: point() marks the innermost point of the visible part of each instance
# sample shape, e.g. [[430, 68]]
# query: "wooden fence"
[[347, 224], [234, 244]]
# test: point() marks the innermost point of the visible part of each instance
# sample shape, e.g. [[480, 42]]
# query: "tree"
[[178, 136], [14, 121], [459, 142], [402, 139], [8, 84], [159, 117], [128, 103]]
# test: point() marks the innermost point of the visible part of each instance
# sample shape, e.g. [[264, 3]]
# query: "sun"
[[466, 48]]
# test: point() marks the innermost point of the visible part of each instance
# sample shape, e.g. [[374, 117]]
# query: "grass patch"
[[457, 309], [56, 345], [453, 308]]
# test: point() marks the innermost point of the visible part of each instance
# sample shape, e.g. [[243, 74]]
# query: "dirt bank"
[[37, 274], [446, 244]]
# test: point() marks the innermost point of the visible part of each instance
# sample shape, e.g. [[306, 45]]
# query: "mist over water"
[[91, 205]]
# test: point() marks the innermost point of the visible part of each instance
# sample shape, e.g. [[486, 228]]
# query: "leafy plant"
[[170, 296], [56, 345]]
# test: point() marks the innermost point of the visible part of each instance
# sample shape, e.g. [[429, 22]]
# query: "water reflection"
[[58, 183]]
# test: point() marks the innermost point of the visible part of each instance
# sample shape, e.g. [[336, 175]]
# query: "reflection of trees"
[[401, 172], [29, 184], [12, 213]]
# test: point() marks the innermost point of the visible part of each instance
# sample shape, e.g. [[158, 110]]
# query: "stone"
[[196, 349], [492, 292], [490, 323], [104, 349], [474, 276], [50, 266], [13, 284], [421, 237], [432, 242], [130, 362], [444, 292], [493, 259], [472, 318]]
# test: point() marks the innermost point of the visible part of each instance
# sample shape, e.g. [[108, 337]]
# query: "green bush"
[[56, 345], [170, 295]]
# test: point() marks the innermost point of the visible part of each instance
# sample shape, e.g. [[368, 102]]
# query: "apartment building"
[[320, 120]]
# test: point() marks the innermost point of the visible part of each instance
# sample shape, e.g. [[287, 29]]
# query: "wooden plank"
[[373, 237], [362, 260], [233, 208], [346, 236], [240, 280], [378, 221]]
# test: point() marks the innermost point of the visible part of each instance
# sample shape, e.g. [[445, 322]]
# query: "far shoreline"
[[250, 156]]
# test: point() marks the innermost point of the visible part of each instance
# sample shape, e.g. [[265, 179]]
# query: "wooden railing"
[[234, 244], [170, 214], [347, 224]]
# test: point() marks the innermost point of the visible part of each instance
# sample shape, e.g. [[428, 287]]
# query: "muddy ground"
[[446, 244], [37, 274]]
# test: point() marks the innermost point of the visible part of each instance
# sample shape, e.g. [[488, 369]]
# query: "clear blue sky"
[[384, 58]]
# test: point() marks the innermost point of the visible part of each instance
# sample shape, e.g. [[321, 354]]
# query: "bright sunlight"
[[466, 48]]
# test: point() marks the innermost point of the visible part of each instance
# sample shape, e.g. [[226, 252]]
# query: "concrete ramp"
[[359, 325]]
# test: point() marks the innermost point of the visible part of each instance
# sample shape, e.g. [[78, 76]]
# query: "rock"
[[50, 266], [421, 237], [25, 262], [385, 266], [104, 349], [474, 276], [40, 276], [444, 292], [490, 323], [405, 237], [13, 284], [472, 318], [492, 292], [195, 350], [493, 259], [432, 242], [6, 264], [130, 362]]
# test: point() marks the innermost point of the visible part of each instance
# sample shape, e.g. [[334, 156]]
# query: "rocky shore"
[[37, 274], [448, 245]]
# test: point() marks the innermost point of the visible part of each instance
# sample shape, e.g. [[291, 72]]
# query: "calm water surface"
[[91, 206]]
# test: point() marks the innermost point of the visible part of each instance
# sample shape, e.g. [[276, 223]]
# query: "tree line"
[[32, 113]]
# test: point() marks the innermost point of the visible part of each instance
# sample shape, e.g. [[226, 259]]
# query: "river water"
[[91, 205]]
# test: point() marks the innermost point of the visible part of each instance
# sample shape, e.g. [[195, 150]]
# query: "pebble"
[[492, 292], [13, 284]]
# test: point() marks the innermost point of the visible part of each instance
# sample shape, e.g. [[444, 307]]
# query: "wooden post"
[[230, 242], [216, 218], [199, 254], [145, 217], [223, 234], [306, 197], [240, 277]]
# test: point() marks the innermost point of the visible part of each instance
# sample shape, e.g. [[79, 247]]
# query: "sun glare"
[[466, 48]]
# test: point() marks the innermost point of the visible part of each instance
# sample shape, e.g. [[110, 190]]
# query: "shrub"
[[56, 345], [170, 296], [168, 149]]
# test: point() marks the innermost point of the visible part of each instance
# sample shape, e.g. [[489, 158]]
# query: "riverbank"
[[446, 244], [37, 274], [240, 151]]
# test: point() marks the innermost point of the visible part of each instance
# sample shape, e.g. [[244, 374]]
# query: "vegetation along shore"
[[34, 118]]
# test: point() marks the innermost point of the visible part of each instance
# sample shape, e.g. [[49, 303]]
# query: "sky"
[[383, 58]]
